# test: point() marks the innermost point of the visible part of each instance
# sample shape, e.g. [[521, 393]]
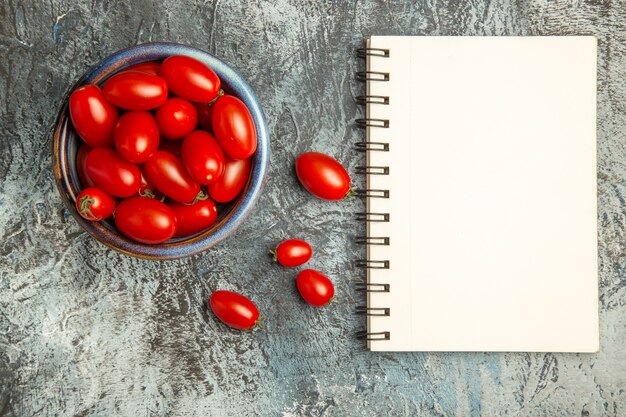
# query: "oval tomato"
[[150, 67], [315, 287], [168, 174], [234, 309], [94, 204], [132, 90], [81, 169], [171, 146], [234, 127], [205, 114], [176, 118], [145, 220], [112, 173], [136, 136], [193, 218], [203, 157], [322, 176], [190, 79], [293, 252], [232, 181], [93, 117]]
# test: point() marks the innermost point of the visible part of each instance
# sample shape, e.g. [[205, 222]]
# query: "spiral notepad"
[[481, 194]]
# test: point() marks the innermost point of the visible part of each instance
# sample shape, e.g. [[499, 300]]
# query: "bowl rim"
[[236, 85]]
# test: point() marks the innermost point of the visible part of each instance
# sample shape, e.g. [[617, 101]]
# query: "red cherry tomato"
[[112, 173], [176, 118], [190, 79], [145, 220], [81, 169], [168, 174], [315, 287], [93, 116], [150, 67], [193, 218], [136, 136], [322, 176], [132, 90], [148, 190], [203, 157], [94, 204], [230, 184], [234, 127], [171, 146], [234, 309], [293, 252], [205, 114]]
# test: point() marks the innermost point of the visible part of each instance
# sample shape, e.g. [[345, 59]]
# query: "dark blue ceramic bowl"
[[65, 144]]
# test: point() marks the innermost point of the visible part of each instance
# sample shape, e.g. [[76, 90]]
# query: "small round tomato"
[[293, 252], [94, 204], [232, 181], [136, 136], [322, 176], [148, 190], [171, 146], [193, 218], [93, 117], [205, 115], [176, 118], [234, 127], [203, 157], [150, 67], [168, 174], [190, 79], [112, 173], [81, 169], [234, 309], [132, 90], [315, 287], [145, 220]]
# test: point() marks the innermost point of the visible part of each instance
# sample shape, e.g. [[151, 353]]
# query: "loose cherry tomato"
[[293, 252], [132, 90], [136, 136], [193, 218], [230, 184], [176, 118], [205, 114], [150, 67], [234, 309], [171, 146], [81, 156], [234, 127], [203, 157], [148, 190], [112, 173], [190, 79], [93, 116], [315, 287], [322, 176], [168, 174], [94, 204], [145, 220]]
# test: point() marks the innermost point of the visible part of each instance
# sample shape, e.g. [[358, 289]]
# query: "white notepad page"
[[492, 194]]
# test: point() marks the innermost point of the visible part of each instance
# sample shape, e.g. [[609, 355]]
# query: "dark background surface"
[[87, 331]]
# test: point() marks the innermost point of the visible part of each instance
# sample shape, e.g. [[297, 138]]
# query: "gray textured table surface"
[[87, 331]]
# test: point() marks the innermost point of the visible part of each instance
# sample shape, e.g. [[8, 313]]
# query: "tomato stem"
[[351, 193], [274, 255], [219, 94], [85, 206], [201, 196], [147, 193]]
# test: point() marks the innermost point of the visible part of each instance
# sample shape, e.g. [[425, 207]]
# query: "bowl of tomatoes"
[[160, 151]]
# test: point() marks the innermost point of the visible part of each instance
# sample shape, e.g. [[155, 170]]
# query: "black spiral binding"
[[368, 146]]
